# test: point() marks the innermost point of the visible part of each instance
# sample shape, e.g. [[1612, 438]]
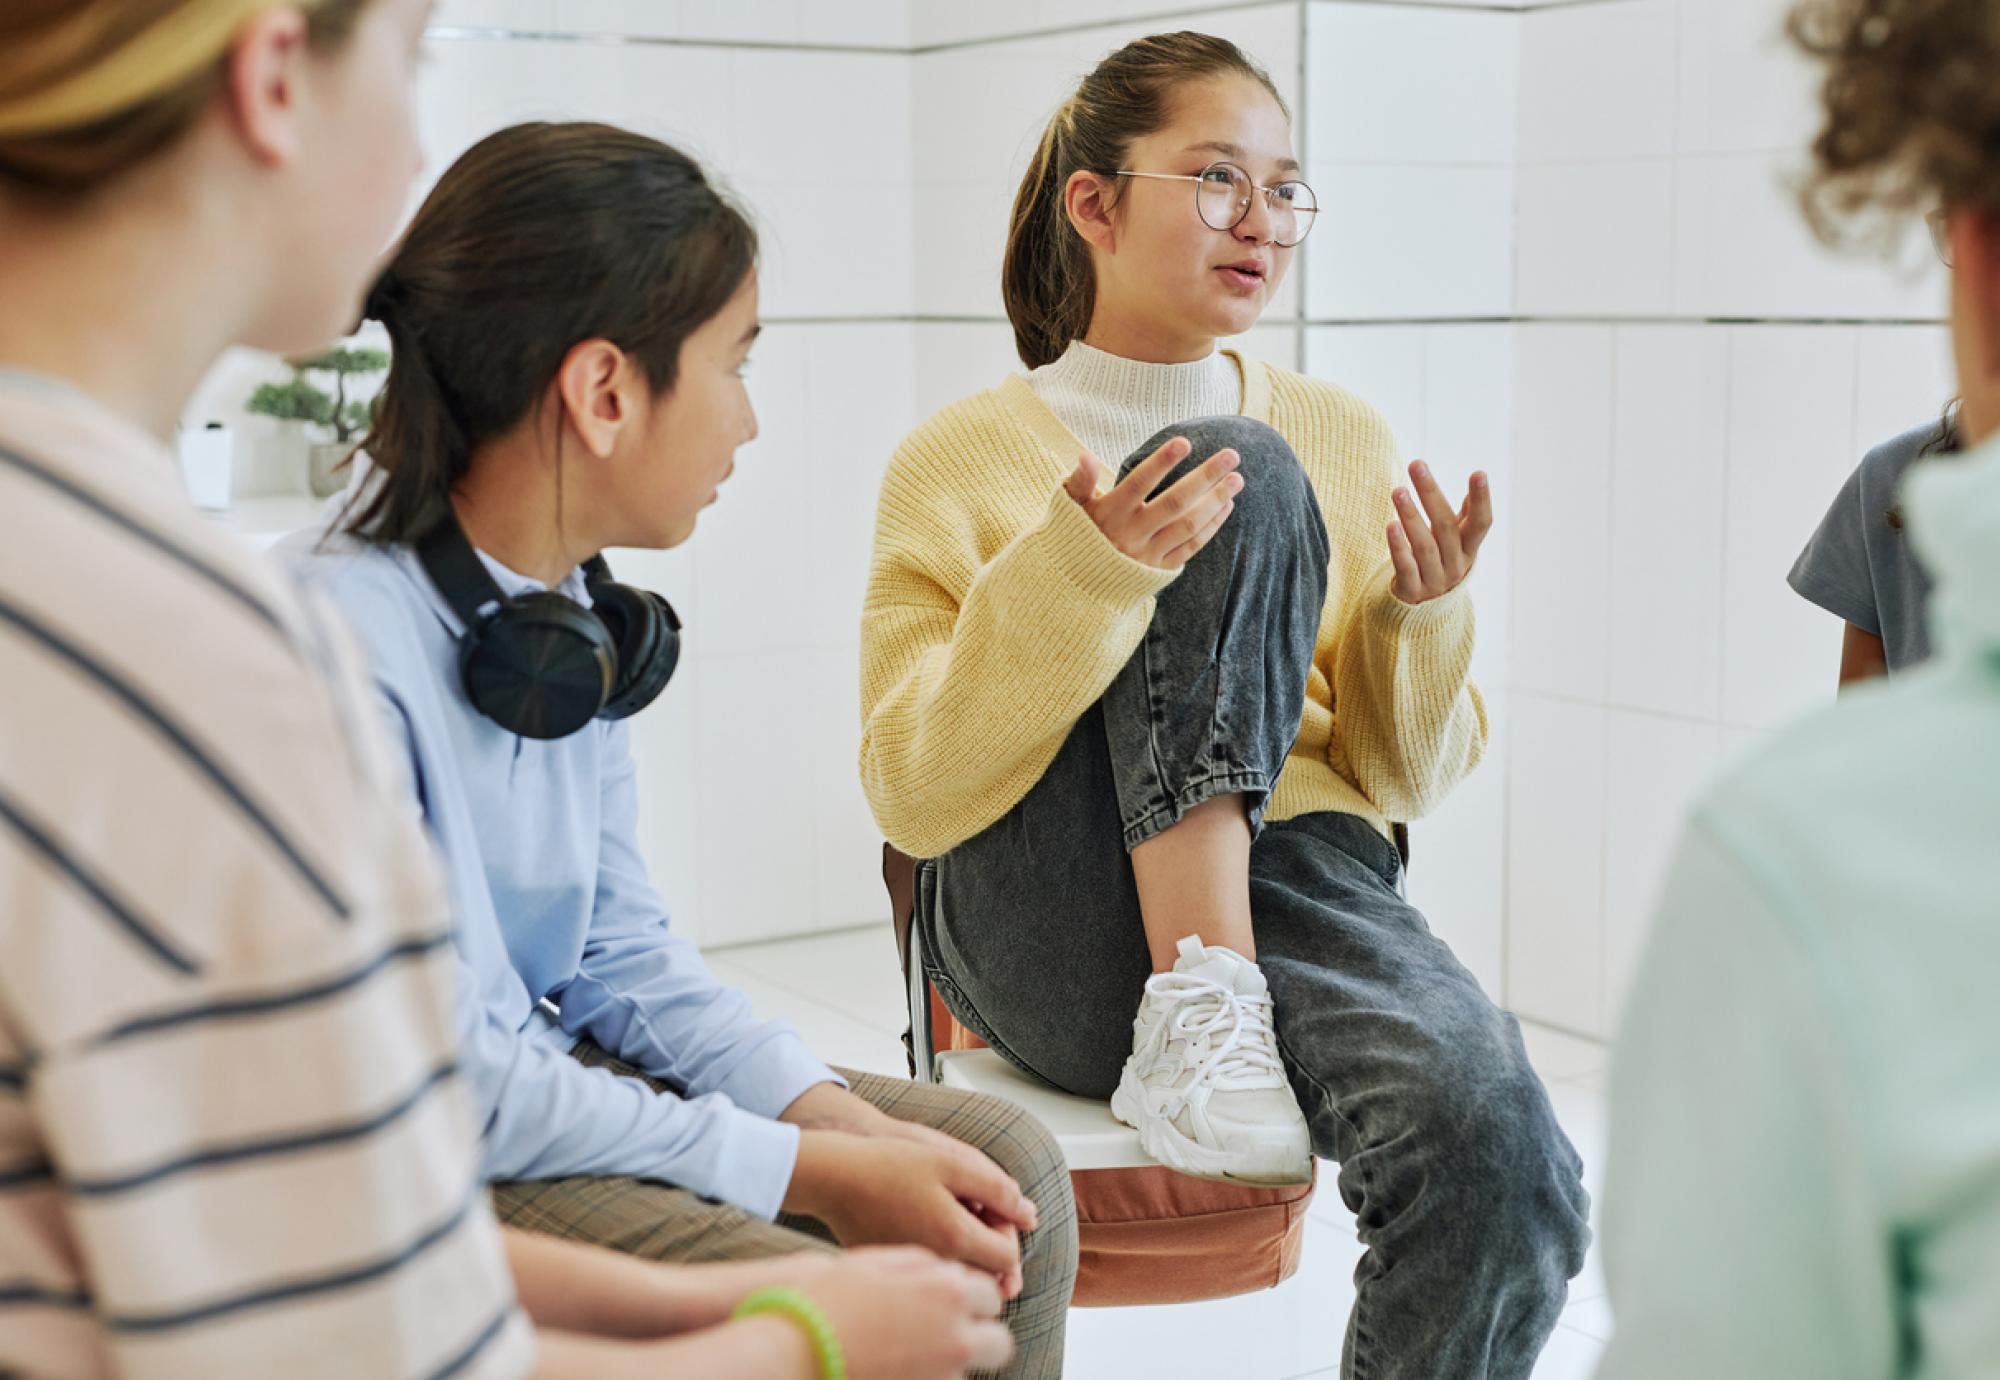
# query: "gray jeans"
[[1466, 1193]]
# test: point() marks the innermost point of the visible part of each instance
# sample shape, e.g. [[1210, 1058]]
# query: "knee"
[[1274, 482], [1508, 1177], [1028, 1153]]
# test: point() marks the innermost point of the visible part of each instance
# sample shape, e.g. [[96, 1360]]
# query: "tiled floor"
[[844, 994]]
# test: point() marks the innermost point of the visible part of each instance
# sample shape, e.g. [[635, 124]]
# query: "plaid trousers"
[[657, 1221]]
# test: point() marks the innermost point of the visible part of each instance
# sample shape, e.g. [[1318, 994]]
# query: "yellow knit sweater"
[[997, 614]]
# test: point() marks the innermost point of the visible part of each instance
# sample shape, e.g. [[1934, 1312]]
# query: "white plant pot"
[[206, 460], [325, 476]]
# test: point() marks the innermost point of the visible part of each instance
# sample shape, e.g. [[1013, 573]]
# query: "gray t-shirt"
[[1859, 565]]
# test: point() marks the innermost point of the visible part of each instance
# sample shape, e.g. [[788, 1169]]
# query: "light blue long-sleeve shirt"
[[553, 904], [1804, 1177]]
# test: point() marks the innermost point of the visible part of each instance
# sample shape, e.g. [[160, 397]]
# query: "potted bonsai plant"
[[334, 414]]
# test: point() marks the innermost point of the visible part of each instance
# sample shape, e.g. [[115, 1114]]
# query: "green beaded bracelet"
[[804, 1312]]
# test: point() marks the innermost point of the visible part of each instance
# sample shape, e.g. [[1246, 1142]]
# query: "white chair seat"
[[1090, 1137]]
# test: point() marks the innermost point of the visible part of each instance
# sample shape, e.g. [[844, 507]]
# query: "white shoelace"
[[1247, 1055]]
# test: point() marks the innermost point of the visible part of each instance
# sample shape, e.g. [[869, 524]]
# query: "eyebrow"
[[1290, 165]]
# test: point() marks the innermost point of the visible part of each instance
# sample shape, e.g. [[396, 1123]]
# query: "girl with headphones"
[[235, 1131], [570, 316]]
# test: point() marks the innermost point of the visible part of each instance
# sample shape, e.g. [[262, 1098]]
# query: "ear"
[[1085, 200], [261, 88], [595, 385]]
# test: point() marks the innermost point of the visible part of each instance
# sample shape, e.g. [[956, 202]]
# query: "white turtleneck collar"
[[1114, 405]]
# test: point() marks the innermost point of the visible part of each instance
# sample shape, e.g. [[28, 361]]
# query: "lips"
[[1247, 273]]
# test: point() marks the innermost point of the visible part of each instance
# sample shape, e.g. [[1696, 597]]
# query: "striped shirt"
[[233, 1136]]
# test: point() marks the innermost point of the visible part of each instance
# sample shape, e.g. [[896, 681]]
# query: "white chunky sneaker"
[[1204, 1088]]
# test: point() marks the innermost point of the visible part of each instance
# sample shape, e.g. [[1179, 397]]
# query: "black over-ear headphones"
[[540, 664]]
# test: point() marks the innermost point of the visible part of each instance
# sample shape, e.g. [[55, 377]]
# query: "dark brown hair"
[[46, 42], [1911, 112], [538, 238], [1046, 278]]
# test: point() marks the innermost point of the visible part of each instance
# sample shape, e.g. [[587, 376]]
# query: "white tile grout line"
[[489, 33]]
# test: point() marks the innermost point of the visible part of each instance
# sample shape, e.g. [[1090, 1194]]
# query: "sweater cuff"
[[1448, 615], [1074, 546]]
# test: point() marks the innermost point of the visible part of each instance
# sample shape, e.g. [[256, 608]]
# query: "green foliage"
[[296, 401], [300, 400], [343, 360]]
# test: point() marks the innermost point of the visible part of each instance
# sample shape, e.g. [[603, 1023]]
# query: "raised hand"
[[1431, 546], [1164, 530]]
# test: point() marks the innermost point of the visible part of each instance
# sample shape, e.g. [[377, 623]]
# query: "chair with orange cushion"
[[1147, 1234]]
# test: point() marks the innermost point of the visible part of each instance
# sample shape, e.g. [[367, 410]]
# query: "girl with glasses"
[[1150, 718]]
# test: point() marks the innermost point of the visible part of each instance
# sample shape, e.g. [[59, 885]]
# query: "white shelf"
[[263, 519]]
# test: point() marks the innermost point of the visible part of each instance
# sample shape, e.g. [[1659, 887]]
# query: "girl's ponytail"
[[415, 443]]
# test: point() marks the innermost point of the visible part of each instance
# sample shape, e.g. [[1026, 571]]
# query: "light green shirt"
[[1804, 1174]]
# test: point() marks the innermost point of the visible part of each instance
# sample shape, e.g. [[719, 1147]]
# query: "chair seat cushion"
[[1146, 1233]]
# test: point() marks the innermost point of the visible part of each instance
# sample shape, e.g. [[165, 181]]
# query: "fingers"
[[991, 1342], [1139, 482], [1478, 515], [1443, 521], [992, 1346], [1423, 547], [1083, 482], [1012, 1284], [993, 1250], [975, 1178], [1197, 483], [1182, 514], [1409, 582], [1189, 549]]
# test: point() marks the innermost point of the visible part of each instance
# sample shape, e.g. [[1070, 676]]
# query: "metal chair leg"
[[922, 1048]]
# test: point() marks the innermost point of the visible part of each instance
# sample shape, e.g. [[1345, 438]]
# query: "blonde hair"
[[91, 89], [1046, 278]]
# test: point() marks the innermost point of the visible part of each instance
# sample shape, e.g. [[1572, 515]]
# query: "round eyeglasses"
[[1222, 197]]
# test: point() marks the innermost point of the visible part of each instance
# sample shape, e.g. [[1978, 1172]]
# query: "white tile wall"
[[474, 86], [1742, 250], [957, 359], [1742, 85], [1904, 378], [1597, 239], [1403, 86], [1606, 183], [1655, 768], [1788, 454], [1410, 242], [1669, 467], [1659, 143], [1384, 364], [1558, 765], [1597, 82], [1561, 512]]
